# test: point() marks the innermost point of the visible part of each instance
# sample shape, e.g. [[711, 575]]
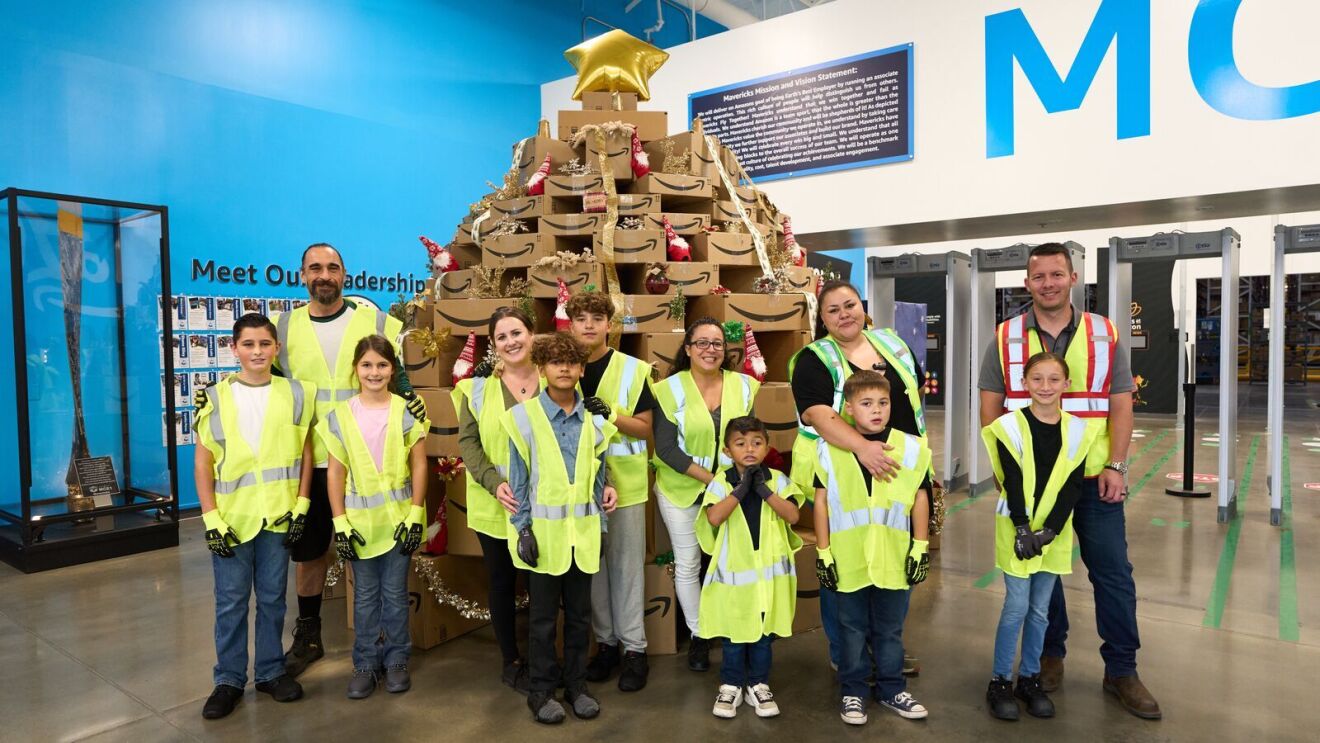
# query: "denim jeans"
[[1026, 602], [261, 564], [746, 663], [871, 616], [1101, 533], [381, 636]]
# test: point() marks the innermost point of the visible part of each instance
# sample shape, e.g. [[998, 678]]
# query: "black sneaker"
[[999, 697], [281, 689], [604, 663], [1029, 691], [515, 676], [635, 670], [224, 698], [306, 648], [699, 654]]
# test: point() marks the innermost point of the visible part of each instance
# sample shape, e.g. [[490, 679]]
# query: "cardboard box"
[[741, 280], [684, 186], [777, 346], [660, 615], [618, 152], [700, 161], [462, 540], [527, 207], [764, 312], [651, 125], [435, 493], [519, 250], [576, 225], [338, 591], [807, 614], [573, 185], [658, 350], [463, 234], [746, 195], [472, 316], [423, 371], [630, 204], [467, 255], [430, 623], [594, 101], [683, 224], [645, 313], [774, 406], [455, 284], [725, 248], [534, 150], [545, 283], [449, 353], [692, 279], [636, 246], [727, 211], [442, 438]]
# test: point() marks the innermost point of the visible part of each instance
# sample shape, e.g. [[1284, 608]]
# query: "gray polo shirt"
[[992, 374]]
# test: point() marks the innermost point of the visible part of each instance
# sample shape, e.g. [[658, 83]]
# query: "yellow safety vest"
[[1012, 429], [1090, 356], [375, 500], [748, 593], [626, 458], [871, 532], [565, 516], [300, 356], [681, 402], [254, 488], [894, 351], [484, 397]]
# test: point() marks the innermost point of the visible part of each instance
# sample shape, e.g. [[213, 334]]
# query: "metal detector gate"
[[985, 264], [1225, 243], [1286, 240], [956, 268]]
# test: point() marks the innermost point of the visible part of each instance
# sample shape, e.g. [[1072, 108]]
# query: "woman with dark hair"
[[480, 403], [697, 401]]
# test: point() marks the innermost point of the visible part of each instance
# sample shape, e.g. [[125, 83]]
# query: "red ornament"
[[466, 359], [536, 184], [753, 359], [678, 247], [776, 461], [795, 252], [641, 164], [562, 320], [437, 534]]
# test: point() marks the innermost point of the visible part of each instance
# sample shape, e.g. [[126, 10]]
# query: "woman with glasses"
[[697, 401]]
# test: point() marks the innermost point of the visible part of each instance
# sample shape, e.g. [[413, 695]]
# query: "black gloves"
[[345, 537], [1046, 536], [415, 405], [826, 570], [597, 406], [200, 398], [408, 533], [757, 475], [219, 543], [484, 369], [918, 561], [527, 551], [1026, 545], [297, 521]]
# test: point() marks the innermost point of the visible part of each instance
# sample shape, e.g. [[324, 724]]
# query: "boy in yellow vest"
[[871, 542], [557, 474], [750, 594], [253, 471]]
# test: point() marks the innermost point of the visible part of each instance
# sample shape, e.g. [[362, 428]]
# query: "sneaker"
[[545, 708], [758, 697], [603, 664], [224, 698], [699, 654], [727, 701], [1051, 672], [515, 676], [397, 679], [584, 706], [853, 711], [1029, 691], [911, 666], [999, 698], [905, 706], [306, 648], [281, 689], [635, 671], [362, 684]]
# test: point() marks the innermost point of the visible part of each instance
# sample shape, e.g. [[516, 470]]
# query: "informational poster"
[[849, 113], [1155, 348]]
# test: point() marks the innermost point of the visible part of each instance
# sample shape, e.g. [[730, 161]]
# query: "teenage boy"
[[871, 543], [557, 475], [253, 472]]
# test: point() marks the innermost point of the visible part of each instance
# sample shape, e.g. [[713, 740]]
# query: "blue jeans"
[[871, 616], [261, 564], [745, 663], [1026, 602], [1102, 535], [381, 636]]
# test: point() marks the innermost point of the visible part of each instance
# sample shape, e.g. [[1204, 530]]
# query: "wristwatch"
[[1119, 467]]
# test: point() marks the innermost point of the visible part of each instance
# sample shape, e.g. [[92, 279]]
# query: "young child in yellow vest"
[[253, 470], [1038, 455], [871, 549], [557, 474], [376, 477], [750, 593]]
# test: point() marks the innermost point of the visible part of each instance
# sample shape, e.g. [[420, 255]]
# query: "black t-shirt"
[[750, 505], [591, 380], [1046, 441], [813, 385]]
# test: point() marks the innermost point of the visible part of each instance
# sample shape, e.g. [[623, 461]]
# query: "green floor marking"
[[985, 580], [1288, 627], [1214, 608], [1182, 524], [1132, 492], [1157, 522], [965, 502]]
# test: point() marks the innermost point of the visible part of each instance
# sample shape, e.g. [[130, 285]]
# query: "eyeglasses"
[[705, 345]]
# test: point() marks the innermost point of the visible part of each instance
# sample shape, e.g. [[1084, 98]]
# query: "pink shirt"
[[371, 422]]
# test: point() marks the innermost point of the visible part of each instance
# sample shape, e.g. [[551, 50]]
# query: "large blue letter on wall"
[[1217, 78], [1009, 36]]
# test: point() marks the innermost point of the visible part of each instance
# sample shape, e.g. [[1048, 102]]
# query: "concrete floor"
[[122, 649]]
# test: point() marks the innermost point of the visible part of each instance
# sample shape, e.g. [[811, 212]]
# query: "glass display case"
[[88, 450]]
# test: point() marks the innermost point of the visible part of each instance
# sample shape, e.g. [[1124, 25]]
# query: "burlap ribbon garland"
[[606, 256]]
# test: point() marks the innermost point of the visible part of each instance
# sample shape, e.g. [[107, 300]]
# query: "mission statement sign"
[[849, 113]]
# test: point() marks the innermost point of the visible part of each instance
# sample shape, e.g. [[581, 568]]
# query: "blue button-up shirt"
[[567, 428]]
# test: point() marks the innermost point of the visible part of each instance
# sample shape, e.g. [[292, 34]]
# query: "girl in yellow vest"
[[1038, 455], [481, 402], [696, 402], [745, 525], [377, 481], [253, 471]]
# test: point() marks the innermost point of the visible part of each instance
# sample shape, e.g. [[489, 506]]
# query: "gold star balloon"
[[615, 62]]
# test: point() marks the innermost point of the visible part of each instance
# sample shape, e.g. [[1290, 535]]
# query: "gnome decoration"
[[468, 357], [795, 252], [437, 534], [562, 321], [536, 184], [753, 360], [641, 164], [678, 247], [441, 260]]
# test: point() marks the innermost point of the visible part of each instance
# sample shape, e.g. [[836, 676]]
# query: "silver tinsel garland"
[[466, 608]]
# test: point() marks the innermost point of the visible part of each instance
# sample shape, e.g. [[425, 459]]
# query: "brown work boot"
[[1051, 672], [1134, 696]]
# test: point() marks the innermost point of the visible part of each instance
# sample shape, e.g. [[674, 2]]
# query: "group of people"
[[563, 438]]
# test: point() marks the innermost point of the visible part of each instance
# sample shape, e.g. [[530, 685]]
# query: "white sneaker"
[[727, 701], [906, 706], [759, 698], [853, 711]]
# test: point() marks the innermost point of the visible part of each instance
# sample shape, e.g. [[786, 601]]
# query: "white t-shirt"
[[330, 335], [251, 401]]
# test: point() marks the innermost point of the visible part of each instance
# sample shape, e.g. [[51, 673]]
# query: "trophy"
[[70, 223]]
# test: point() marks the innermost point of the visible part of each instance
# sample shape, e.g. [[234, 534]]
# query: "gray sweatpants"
[[618, 589]]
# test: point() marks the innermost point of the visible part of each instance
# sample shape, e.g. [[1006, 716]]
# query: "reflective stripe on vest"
[[540, 511], [217, 429], [1087, 396]]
